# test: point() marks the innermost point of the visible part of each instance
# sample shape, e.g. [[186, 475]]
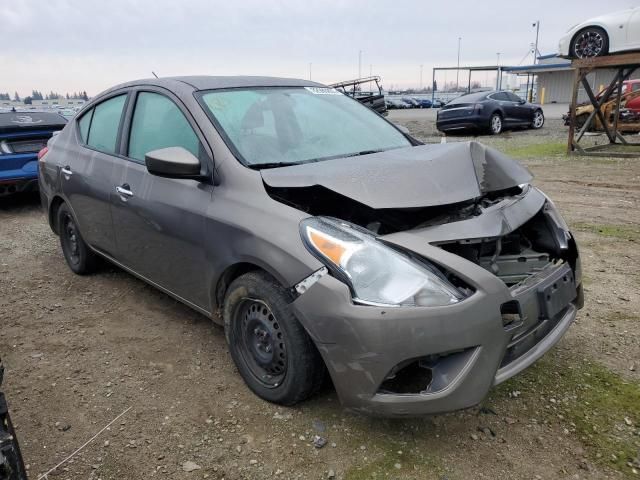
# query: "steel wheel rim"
[[70, 235], [538, 120], [496, 124], [588, 45], [260, 342]]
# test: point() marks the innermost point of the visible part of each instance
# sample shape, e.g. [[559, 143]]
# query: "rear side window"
[[84, 123], [103, 132], [159, 123], [500, 96]]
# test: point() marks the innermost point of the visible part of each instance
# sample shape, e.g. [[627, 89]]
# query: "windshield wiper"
[[334, 157], [260, 166], [364, 152]]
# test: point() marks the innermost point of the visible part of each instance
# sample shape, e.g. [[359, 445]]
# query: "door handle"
[[66, 171], [124, 191]]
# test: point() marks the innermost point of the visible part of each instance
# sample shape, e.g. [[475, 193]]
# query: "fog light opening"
[[412, 378], [511, 315]]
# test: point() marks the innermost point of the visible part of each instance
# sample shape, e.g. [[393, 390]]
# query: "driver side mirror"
[[173, 162], [522, 101]]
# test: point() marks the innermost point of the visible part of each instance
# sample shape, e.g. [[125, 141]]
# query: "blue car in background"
[[424, 102], [22, 135]]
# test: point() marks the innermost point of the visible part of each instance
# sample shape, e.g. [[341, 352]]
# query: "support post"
[[572, 111]]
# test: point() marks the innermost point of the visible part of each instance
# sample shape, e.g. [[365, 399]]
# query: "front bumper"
[[468, 345], [564, 45]]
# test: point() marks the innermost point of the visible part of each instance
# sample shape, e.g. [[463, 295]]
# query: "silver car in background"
[[416, 276]]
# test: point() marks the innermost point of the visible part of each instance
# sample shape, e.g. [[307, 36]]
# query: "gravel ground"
[[81, 350]]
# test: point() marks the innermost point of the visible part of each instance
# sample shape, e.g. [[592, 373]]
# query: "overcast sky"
[[68, 45]]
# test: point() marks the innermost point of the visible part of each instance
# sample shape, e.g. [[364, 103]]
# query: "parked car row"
[[412, 102]]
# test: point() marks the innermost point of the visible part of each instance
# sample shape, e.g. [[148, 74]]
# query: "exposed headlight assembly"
[[377, 274]]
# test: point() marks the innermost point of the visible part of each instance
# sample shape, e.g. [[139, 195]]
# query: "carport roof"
[[538, 68]]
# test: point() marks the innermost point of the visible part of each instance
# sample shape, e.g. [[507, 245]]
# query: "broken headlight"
[[377, 274]]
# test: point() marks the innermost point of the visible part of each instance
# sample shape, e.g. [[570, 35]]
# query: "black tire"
[[538, 120], [80, 258], [495, 124], [589, 42], [272, 351]]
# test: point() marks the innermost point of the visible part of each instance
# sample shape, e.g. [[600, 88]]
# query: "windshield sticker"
[[323, 91]]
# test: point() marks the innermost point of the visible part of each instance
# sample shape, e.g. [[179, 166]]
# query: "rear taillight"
[[42, 153]]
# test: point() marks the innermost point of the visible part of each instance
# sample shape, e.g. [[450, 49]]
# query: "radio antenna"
[[154, 74]]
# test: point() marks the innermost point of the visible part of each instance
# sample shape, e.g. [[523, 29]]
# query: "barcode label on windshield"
[[323, 91]]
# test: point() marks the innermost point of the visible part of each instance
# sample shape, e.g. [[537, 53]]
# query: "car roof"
[[205, 82]]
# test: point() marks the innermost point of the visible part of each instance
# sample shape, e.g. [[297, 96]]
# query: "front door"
[[159, 222], [522, 112]]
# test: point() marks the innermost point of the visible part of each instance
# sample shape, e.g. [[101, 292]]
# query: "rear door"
[[87, 176], [507, 106], [159, 222], [523, 112]]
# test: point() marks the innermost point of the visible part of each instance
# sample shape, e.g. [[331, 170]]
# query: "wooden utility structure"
[[605, 113]]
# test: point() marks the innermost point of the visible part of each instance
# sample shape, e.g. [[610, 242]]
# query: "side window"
[[500, 96], [513, 97], [104, 125], [635, 87], [159, 123], [84, 123]]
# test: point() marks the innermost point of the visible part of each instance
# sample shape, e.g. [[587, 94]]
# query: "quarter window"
[[84, 123], [103, 132], [159, 123]]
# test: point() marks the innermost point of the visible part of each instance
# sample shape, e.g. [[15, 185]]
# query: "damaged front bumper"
[[407, 361], [462, 350]]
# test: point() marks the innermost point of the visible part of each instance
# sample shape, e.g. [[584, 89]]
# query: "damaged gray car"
[[416, 276]]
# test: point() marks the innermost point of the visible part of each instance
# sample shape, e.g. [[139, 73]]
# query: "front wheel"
[[272, 351], [495, 124], [538, 119], [590, 42]]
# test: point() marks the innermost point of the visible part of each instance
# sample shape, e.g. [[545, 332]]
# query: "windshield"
[[297, 125]]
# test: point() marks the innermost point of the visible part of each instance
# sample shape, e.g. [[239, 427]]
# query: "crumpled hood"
[[422, 176]]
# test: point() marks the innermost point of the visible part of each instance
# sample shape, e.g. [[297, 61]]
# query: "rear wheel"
[[590, 42], [79, 256], [495, 124], [273, 353], [538, 119]]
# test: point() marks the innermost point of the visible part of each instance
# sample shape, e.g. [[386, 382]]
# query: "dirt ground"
[[81, 350]]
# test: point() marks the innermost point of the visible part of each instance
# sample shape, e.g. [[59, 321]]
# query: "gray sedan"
[[415, 276]]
